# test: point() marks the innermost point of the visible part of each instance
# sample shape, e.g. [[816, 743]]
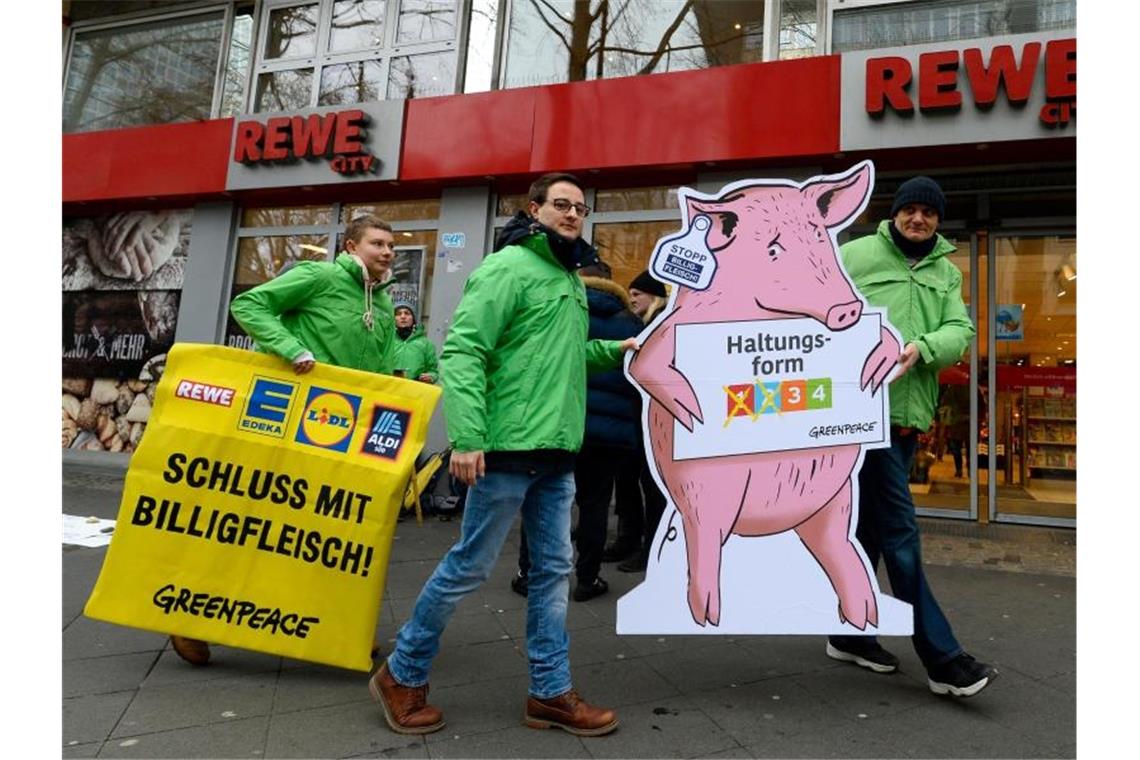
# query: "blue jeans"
[[492, 503], [887, 529]]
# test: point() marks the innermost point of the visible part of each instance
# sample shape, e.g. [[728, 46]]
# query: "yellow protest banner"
[[259, 507]]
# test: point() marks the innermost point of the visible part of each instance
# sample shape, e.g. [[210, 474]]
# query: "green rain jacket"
[[322, 307], [416, 355], [925, 304], [515, 360]]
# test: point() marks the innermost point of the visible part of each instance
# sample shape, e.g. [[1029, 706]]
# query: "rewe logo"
[[386, 432], [211, 394]]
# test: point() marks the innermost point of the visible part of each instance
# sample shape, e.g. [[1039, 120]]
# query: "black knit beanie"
[[646, 284], [920, 190]]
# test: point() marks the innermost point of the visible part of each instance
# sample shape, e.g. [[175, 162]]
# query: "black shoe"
[[587, 591], [518, 584], [962, 677], [619, 550], [868, 655], [635, 564]]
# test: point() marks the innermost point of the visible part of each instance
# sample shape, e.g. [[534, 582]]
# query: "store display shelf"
[[1051, 419], [1053, 443], [1051, 467]]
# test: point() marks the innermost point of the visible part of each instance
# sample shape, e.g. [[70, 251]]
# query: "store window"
[[157, 71], [1034, 420], [568, 40], [122, 285], [337, 52], [894, 24], [272, 239]]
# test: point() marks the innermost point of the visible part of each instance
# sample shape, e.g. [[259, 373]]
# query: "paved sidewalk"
[[126, 694]]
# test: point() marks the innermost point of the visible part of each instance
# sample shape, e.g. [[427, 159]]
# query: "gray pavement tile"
[[81, 567], [734, 752], [789, 655], [664, 728], [623, 682], [75, 749], [86, 637], [100, 675], [478, 708], [313, 686], [352, 730], [162, 708], [851, 691], [752, 713], [1041, 714], [838, 740], [975, 727], [1066, 683], [515, 742], [92, 718], [589, 645], [225, 662], [713, 664], [235, 738]]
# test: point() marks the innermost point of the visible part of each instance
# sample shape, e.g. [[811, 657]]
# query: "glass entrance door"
[[1027, 435]]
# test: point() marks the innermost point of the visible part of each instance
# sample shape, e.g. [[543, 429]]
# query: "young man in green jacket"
[[514, 390], [333, 312], [903, 268], [414, 353]]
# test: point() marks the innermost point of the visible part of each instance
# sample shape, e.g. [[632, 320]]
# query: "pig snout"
[[844, 315]]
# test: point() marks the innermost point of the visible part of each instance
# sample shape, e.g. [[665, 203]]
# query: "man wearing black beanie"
[[903, 268]]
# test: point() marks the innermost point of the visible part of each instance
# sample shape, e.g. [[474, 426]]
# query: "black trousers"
[[594, 475]]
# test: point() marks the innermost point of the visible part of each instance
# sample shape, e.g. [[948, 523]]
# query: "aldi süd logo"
[[267, 407], [386, 432], [328, 419]]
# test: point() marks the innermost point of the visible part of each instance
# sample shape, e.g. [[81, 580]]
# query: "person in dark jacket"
[[611, 437], [640, 502]]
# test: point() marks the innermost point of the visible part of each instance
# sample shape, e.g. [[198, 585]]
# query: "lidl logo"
[[267, 407], [328, 419], [386, 432]]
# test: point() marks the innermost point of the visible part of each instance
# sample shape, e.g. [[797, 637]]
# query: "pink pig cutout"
[[776, 258]]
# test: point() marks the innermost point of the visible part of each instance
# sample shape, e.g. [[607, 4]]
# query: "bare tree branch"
[[664, 44], [550, 26]]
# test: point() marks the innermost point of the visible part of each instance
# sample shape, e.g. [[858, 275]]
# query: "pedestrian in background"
[[414, 354], [638, 518]]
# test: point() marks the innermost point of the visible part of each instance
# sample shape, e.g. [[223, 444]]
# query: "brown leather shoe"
[[194, 651], [405, 707], [570, 713]]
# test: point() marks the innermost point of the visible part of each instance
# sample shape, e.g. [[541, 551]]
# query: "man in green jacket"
[[333, 312], [514, 391], [903, 268], [414, 354]]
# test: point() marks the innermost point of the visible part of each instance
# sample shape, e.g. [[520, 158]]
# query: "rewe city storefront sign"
[[1001, 88], [316, 146]]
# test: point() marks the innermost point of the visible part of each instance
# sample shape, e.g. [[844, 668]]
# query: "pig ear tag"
[[685, 259]]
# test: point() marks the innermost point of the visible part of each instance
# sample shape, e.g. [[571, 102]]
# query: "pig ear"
[[840, 199], [723, 229]]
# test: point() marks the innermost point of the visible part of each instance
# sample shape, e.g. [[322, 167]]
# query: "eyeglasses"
[[562, 206]]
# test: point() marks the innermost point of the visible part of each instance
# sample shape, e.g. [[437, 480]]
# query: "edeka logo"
[[386, 432], [267, 409], [328, 419]]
